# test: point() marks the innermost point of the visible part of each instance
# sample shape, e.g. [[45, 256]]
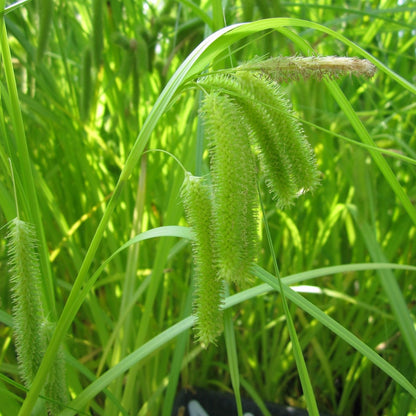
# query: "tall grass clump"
[[312, 291]]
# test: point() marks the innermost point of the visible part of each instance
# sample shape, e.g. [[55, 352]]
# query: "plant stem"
[[29, 195]]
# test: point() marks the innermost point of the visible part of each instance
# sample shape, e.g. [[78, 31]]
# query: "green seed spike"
[[279, 137], [27, 309], [197, 202], [286, 156], [233, 173], [292, 68], [55, 386]]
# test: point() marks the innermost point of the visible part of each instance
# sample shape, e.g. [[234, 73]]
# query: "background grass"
[[91, 78]]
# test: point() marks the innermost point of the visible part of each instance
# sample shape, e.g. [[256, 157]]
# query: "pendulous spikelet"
[[242, 110], [25, 286], [233, 172], [55, 386], [32, 333], [287, 157], [196, 196]]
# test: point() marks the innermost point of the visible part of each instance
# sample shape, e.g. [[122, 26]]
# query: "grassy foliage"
[[88, 87]]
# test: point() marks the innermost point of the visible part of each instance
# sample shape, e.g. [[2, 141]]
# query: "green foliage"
[[45, 23], [115, 265]]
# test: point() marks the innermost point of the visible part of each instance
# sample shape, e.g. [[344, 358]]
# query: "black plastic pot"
[[198, 402]]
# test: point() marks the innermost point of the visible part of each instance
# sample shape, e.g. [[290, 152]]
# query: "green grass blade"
[[392, 291], [262, 289], [232, 355], [339, 330], [160, 340], [297, 350], [45, 24], [353, 117], [198, 12], [177, 359], [137, 356], [14, 6], [377, 157], [23, 169]]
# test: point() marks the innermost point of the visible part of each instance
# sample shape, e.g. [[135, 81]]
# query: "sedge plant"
[[244, 111], [126, 311]]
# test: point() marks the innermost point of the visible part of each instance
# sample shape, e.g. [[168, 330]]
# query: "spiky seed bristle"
[[286, 156], [197, 200], [25, 287], [281, 138], [233, 173], [292, 68]]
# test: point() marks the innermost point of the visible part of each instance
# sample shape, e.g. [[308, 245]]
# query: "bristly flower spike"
[[242, 110], [233, 172], [289, 68], [197, 200], [27, 309], [25, 288], [287, 157]]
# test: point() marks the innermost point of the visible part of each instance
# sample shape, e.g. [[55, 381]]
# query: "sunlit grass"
[[127, 324]]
